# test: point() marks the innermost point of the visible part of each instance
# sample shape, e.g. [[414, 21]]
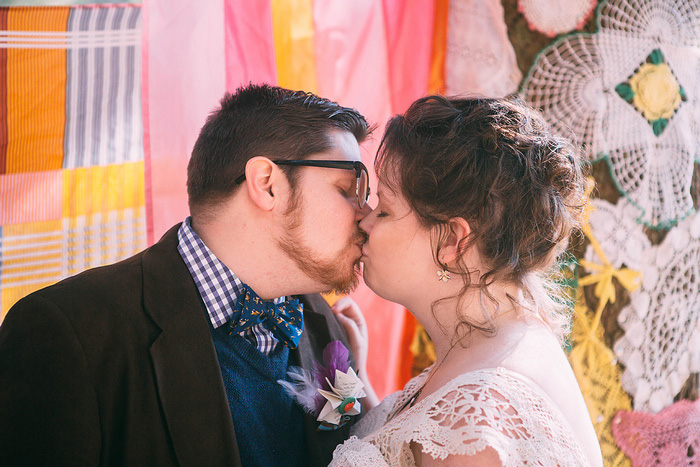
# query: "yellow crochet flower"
[[656, 91]]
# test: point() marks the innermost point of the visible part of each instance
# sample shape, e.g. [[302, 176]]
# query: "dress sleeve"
[[467, 419], [49, 407], [497, 411]]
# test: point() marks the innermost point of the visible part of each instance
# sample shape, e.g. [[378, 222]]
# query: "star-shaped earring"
[[443, 275]]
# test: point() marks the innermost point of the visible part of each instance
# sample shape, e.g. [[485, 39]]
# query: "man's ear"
[[456, 243], [260, 176]]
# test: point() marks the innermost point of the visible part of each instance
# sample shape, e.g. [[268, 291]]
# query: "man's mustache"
[[361, 237]]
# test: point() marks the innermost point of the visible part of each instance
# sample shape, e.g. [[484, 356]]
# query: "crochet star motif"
[[654, 91], [670, 437]]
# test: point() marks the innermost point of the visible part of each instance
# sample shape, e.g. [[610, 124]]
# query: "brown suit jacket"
[[116, 366]]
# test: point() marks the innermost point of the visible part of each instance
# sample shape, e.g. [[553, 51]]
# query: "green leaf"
[[656, 57], [681, 91], [659, 125], [625, 91]]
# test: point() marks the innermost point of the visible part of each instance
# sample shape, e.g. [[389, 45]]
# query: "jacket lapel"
[[184, 359]]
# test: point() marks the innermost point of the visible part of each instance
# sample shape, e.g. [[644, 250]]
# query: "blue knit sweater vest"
[[269, 426]]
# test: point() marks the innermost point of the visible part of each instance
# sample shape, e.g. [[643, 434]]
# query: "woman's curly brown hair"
[[495, 163]]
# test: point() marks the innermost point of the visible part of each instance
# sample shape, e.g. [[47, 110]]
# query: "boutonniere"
[[331, 391]]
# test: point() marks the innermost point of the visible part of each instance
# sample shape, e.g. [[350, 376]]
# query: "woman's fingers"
[[348, 308], [353, 322]]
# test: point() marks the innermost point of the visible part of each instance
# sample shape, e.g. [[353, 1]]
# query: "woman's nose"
[[365, 222]]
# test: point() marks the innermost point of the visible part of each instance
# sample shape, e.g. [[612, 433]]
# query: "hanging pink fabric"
[[249, 45], [183, 80], [352, 68], [409, 33]]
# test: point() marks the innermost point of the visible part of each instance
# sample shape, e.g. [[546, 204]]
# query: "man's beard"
[[333, 273]]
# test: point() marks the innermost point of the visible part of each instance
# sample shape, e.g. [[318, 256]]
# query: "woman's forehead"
[[386, 188]]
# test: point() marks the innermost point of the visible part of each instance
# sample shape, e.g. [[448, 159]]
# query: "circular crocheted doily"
[[554, 17], [670, 437], [630, 94]]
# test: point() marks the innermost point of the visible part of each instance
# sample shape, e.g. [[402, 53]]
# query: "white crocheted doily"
[[479, 58], [623, 240], [630, 94], [554, 17], [661, 344]]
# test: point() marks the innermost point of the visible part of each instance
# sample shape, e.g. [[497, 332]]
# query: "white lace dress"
[[493, 407]]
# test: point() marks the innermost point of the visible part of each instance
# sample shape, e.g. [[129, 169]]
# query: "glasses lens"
[[362, 189]]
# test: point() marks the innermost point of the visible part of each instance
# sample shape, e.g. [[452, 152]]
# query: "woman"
[[476, 200]]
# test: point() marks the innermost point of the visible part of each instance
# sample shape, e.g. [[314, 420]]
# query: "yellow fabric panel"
[[36, 91], [92, 190], [437, 66], [293, 33]]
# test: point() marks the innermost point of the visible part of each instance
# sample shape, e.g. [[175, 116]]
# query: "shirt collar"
[[218, 286]]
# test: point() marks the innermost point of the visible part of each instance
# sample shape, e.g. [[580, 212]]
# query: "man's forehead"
[[342, 147]]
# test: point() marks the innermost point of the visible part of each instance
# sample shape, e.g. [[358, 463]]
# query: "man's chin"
[[349, 283]]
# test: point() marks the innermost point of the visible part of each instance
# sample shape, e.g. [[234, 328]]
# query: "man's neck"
[[248, 249]]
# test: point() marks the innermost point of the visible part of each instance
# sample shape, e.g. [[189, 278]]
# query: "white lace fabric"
[[661, 345], [494, 408]]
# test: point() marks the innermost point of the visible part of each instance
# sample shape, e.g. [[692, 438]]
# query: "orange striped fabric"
[[3, 95], [36, 89]]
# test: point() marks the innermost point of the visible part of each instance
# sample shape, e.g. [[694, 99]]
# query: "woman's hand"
[[353, 321]]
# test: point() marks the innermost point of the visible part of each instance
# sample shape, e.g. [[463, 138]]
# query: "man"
[[166, 358]]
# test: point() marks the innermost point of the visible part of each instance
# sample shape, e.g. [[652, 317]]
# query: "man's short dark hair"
[[261, 120]]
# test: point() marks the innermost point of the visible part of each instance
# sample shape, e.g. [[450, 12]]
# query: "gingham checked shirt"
[[218, 286]]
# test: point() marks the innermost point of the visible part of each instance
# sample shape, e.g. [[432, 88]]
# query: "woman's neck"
[[441, 324]]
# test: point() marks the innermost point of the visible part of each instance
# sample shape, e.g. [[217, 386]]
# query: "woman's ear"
[[260, 176], [457, 238]]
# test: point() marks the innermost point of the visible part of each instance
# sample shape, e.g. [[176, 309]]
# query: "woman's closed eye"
[[382, 213]]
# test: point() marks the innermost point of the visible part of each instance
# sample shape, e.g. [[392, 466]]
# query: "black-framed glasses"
[[361, 185]]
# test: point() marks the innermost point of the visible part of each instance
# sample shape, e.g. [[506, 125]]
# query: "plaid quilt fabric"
[[72, 191]]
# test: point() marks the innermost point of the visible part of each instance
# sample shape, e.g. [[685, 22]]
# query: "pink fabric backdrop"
[[184, 78]]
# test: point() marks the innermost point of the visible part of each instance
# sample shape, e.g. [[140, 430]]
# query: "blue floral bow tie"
[[285, 320]]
